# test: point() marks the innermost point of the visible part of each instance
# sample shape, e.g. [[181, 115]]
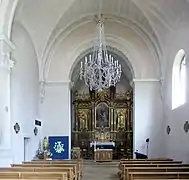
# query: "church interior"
[[94, 88]]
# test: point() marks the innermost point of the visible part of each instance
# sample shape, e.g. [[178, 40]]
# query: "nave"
[[125, 169]]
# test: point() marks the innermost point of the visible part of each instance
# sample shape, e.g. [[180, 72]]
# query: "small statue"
[[121, 120], [83, 120], [45, 144]]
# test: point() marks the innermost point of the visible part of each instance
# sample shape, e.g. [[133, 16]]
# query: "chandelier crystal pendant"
[[100, 70]]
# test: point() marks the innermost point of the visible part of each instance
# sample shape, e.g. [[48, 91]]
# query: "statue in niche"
[[83, 120], [120, 119], [102, 116]]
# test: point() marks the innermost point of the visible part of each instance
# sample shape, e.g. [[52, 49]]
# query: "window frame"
[[178, 88]]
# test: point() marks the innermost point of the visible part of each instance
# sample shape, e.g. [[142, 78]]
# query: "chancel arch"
[[103, 116], [64, 53]]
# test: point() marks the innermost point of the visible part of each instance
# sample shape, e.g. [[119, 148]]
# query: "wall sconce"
[[168, 129], [17, 128], [186, 126], [35, 131]]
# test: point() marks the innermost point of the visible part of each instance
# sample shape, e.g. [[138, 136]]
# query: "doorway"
[[27, 142]]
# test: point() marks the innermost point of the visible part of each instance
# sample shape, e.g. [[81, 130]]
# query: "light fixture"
[[17, 128], [100, 70], [35, 131]]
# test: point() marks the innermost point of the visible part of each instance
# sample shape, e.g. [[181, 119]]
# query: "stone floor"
[[100, 171]]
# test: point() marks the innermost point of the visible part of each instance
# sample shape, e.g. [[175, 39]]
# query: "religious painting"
[[102, 115]]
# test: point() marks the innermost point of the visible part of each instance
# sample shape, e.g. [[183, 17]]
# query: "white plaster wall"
[[177, 145], [148, 118], [24, 94], [55, 111]]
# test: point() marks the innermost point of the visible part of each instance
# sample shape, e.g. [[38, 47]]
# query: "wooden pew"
[[78, 162], [143, 163], [68, 171], [71, 170], [151, 159], [123, 166], [150, 165], [27, 179], [149, 162], [127, 170], [34, 175], [158, 175]]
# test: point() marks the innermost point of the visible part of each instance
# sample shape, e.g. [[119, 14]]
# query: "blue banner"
[[59, 147]]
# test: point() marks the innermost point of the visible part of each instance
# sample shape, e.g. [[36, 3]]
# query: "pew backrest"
[[157, 175]]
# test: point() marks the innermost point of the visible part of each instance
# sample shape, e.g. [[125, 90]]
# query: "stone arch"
[[7, 12]]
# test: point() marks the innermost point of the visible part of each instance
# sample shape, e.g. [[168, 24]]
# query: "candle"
[[85, 60]]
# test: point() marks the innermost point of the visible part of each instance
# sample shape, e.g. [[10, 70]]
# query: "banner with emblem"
[[59, 147]]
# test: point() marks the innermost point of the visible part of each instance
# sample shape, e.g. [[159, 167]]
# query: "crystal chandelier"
[[100, 70]]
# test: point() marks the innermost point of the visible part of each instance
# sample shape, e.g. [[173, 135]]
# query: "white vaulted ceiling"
[[46, 20]]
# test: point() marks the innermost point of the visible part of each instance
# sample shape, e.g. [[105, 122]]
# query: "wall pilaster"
[[6, 64]]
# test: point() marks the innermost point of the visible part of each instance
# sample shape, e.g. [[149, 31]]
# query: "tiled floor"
[[100, 171]]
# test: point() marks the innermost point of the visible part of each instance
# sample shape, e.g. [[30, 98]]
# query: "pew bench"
[[34, 175], [158, 164], [149, 162], [27, 179], [157, 175], [67, 170], [71, 171], [127, 170], [78, 162], [151, 159]]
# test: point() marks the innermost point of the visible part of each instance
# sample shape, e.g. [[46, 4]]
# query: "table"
[[101, 155]]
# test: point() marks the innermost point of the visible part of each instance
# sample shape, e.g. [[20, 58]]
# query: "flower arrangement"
[[44, 152]]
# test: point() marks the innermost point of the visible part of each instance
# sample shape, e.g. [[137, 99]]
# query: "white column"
[[6, 64], [148, 120]]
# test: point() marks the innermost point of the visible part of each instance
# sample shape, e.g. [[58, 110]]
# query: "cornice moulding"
[[146, 80], [58, 83]]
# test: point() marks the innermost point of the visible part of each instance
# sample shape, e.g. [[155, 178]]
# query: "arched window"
[[179, 80]]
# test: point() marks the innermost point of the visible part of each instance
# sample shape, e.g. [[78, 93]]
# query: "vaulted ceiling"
[[45, 20]]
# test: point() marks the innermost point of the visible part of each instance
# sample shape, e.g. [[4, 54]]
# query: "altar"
[[103, 151], [105, 117]]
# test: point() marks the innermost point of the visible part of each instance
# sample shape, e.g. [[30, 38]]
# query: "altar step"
[[100, 171]]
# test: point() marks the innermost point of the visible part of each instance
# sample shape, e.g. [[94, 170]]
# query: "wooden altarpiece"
[[104, 115]]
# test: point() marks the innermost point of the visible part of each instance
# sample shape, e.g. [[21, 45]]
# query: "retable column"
[[6, 64]]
